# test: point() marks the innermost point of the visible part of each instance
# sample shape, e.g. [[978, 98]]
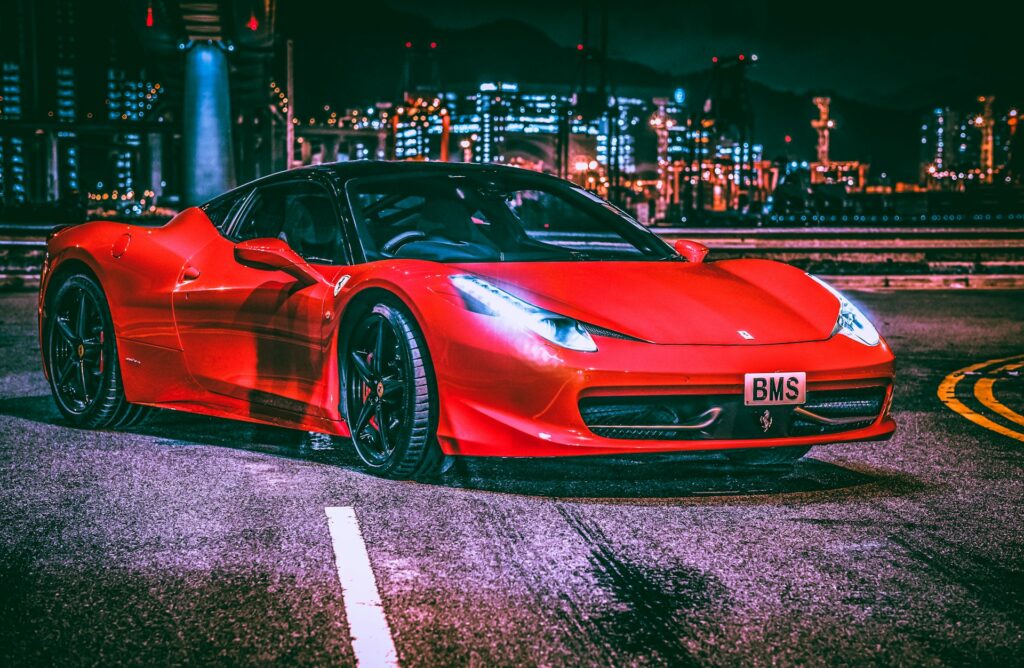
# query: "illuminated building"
[[12, 147], [129, 100], [38, 84], [420, 130], [961, 146]]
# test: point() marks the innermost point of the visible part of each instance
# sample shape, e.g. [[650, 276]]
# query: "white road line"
[[371, 635]]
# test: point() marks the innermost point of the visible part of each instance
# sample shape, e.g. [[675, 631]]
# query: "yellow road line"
[[947, 394], [983, 390]]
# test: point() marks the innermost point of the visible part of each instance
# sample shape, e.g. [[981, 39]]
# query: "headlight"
[[483, 297], [851, 322]]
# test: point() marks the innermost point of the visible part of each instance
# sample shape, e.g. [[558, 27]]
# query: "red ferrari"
[[437, 310]]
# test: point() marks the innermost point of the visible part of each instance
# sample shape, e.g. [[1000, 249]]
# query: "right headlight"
[[482, 297], [851, 322]]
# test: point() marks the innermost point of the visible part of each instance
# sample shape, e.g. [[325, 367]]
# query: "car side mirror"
[[693, 251], [274, 254]]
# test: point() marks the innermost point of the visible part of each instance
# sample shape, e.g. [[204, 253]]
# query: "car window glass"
[[223, 210], [300, 214], [490, 219]]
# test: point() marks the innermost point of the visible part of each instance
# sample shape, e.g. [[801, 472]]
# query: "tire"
[[390, 397], [80, 353], [777, 456]]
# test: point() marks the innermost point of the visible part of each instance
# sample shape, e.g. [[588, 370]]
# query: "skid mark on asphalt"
[[974, 384], [521, 564], [654, 610], [996, 585], [371, 634]]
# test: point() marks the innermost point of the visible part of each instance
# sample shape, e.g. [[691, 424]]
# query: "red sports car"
[[437, 310]]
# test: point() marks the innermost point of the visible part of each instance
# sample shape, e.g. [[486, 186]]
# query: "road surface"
[[204, 541]]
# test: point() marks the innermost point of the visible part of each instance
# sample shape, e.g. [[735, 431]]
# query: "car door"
[[258, 334]]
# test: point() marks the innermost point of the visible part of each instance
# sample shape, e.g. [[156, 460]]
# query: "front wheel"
[[391, 403], [777, 456]]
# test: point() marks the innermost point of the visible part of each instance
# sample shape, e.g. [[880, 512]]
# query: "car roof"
[[360, 168], [352, 169]]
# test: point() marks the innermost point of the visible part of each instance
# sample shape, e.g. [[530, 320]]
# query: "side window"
[[299, 213], [222, 211]]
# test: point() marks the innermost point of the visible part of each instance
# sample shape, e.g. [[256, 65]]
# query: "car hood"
[[668, 302]]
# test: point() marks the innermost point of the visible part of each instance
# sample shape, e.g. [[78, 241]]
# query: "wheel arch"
[[66, 267]]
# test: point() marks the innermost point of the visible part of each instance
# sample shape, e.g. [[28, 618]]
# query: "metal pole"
[[289, 131]]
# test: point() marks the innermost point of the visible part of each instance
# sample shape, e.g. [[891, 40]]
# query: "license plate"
[[774, 389]]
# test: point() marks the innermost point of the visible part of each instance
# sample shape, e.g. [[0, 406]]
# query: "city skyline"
[[116, 119]]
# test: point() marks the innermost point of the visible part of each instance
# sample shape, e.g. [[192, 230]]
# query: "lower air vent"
[[833, 411], [723, 416]]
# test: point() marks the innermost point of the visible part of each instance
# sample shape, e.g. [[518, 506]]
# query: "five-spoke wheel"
[[76, 349], [81, 356], [389, 394]]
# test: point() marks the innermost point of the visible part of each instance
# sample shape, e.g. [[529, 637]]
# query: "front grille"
[[849, 409], [649, 418], [723, 416]]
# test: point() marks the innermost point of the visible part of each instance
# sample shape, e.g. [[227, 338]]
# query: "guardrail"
[[907, 258]]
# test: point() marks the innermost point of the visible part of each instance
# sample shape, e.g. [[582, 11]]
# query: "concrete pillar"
[[209, 164]]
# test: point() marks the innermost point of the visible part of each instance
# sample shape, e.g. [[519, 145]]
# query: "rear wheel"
[[81, 358], [777, 456], [391, 403]]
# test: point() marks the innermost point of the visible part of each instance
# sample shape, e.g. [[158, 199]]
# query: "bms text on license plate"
[[774, 389]]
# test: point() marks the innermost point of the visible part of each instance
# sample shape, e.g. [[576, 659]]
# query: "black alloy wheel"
[[81, 357], [390, 398]]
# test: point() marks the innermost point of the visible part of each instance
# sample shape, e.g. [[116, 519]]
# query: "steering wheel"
[[399, 240]]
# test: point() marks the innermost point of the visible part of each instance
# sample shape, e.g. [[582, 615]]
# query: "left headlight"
[[851, 322], [482, 297]]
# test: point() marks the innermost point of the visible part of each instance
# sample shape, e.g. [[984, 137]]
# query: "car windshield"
[[493, 217]]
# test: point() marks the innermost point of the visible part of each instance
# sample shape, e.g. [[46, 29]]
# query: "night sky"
[[892, 54]]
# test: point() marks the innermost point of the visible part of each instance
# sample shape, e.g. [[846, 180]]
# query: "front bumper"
[[511, 394]]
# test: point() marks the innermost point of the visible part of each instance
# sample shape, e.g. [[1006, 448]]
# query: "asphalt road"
[[196, 540]]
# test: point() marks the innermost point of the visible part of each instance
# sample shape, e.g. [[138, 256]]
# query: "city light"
[[678, 150]]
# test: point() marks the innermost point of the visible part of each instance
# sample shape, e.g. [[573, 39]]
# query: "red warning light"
[[433, 45], [714, 59], [579, 47], [788, 139], [408, 45], [253, 23], [149, 16], [742, 57]]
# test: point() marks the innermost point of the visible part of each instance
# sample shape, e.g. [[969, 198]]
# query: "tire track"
[[655, 612]]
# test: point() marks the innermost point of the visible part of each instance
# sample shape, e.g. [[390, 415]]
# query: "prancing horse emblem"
[[766, 421]]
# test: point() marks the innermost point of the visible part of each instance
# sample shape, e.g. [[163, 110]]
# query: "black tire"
[[80, 354], [786, 455], [390, 396]]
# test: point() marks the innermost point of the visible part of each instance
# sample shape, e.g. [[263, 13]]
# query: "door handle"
[[189, 273]]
